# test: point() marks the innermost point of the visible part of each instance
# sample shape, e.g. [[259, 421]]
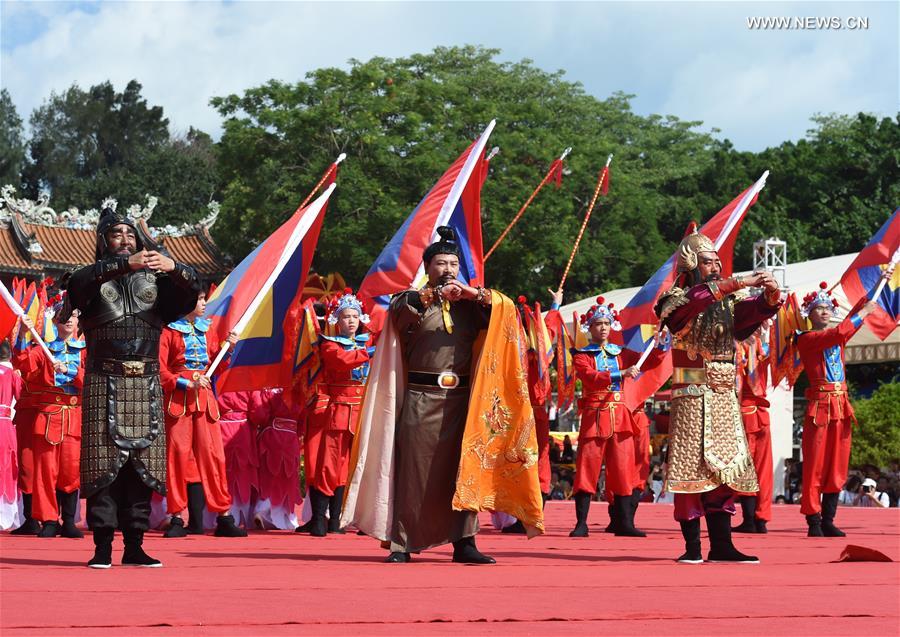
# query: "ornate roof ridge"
[[39, 212]]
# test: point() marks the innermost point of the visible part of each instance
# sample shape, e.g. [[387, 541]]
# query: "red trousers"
[[327, 455], [194, 450], [760, 443], [56, 457], [618, 453], [826, 455], [542, 431], [24, 422], [642, 457]]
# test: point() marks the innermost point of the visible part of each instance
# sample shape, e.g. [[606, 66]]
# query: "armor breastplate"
[[129, 337], [709, 335], [133, 294]]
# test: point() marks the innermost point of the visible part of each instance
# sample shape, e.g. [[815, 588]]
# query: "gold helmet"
[[693, 244]]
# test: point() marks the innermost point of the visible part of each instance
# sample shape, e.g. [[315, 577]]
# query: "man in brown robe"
[[437, 328]]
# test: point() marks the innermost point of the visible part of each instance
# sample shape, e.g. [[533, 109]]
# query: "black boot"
[[516, 527], [225, 527], [196, 504], [690, 531], [134, 554], [544, 498], [721, 548], [465, 552], [636, 495], [176, 528], [611, 527], [761, 526], [30, 526], [398, 557], [582, 506], [748, 508], [103, 539], [829, 510], [624, 523], [49, 529], [318, 524], [815, 525], [335, 503], [68, 504]]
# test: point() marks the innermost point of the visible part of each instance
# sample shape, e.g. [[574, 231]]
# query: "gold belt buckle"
[[133, 368], [448, 380]]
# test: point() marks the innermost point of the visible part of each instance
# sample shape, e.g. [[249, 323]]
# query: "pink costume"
[[10, 388], [278, 446], [241, 456]]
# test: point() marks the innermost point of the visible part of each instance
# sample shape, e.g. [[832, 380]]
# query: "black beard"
[[712, 276]]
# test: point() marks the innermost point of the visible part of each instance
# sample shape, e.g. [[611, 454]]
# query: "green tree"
[[12, 144], [827, 194], [877, 438], [402, 121], [87, 145]]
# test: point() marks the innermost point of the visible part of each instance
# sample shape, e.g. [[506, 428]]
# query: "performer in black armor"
[[125, 300]]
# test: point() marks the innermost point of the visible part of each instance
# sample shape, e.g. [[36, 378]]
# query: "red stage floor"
[[285, 584]]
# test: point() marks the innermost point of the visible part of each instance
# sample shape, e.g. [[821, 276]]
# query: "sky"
[[695, 60]]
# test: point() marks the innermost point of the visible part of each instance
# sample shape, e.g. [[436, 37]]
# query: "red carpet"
[[285, 584]]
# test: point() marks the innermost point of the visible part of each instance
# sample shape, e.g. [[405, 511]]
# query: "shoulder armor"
[[670, 300]]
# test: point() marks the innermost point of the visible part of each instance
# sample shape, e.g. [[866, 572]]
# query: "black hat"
[[109, 218], [445, 245]]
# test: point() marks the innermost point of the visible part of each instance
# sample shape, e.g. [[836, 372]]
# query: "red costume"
[[194, 449], [10, 390], [753, 371], [608, 431], [827, 427], [278, 445], [539, 392], [607, 425], [241, 457], [54, 400], [333, 422]]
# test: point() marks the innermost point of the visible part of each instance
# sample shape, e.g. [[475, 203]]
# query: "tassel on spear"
[[555, 172]]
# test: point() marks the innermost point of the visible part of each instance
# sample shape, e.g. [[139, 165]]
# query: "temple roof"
[[35, 240]]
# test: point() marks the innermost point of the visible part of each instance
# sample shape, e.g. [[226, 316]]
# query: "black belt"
[[125, 368], [444, 380]]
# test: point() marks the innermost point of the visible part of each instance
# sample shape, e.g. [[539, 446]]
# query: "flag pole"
[[604, 175], [294, 241], [324, 178], [554, 167], [18, 311]]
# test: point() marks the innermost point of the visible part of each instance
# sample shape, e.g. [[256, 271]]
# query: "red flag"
[[8, 314]]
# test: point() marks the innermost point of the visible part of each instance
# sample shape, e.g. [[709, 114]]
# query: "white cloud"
[[693, 60]]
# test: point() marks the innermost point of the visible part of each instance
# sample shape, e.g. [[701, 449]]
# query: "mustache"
[[713, 276]]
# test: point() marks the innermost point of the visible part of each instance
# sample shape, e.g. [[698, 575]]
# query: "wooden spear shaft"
[[526, 204], [603, 176]]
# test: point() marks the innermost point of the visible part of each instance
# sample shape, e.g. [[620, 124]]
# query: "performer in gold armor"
[[709, 460]]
